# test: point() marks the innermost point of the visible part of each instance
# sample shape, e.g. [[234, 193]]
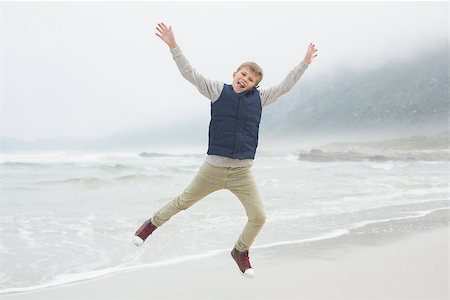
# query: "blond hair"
[[254, 68]]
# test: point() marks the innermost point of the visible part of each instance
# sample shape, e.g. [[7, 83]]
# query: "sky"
[[91, 69]]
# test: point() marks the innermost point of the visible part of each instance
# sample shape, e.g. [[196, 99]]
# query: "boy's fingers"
[[160, 26]]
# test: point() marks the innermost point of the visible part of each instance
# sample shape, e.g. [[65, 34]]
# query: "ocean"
[[70, 216]]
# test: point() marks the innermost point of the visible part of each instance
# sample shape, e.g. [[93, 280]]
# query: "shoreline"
[[328, 239], [349, 267]]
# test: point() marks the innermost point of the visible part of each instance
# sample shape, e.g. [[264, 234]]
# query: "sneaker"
[[143, 232], [243, 262]]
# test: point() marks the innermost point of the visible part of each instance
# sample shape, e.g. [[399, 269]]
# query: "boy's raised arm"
[[211, 89], [272, 94]]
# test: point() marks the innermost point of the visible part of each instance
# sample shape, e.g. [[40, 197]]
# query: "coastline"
[[412, 264]]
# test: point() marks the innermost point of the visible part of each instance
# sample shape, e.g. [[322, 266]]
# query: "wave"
[[99, 182], [157, 154], [83, 165], [23, 165], [113, 167], [139, 178], [79, 181], [317, 155], [416, 214]]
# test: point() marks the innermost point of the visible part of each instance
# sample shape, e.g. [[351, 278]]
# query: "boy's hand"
[[166, 35], [310, 54]]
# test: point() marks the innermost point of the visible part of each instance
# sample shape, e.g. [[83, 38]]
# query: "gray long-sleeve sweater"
[[212, 89]]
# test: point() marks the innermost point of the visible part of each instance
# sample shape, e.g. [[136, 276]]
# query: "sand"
[[411, 265]]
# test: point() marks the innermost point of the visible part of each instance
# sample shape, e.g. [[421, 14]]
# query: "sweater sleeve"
[[211, 89], [272, 94]]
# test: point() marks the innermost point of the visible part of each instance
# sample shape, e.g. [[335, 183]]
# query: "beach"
[[334, 230], [407, 265]]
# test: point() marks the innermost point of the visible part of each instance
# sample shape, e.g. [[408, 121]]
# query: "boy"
[[233, 139]]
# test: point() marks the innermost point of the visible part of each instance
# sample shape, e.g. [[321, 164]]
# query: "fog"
[[83, 69]]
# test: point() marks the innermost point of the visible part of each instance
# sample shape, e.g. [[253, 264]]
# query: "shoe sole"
[[137, 241]]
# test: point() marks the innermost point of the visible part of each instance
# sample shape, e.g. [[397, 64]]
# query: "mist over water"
[[93, 69]]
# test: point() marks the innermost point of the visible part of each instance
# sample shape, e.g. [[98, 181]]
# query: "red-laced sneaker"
[[243, 262], [143, 232]]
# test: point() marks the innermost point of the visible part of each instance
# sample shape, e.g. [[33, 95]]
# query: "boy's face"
[[244, 80]]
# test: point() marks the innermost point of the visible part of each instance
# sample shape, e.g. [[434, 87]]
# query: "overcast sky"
[[81, 69]]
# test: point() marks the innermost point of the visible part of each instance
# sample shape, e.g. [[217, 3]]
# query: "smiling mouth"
[[241, 85]]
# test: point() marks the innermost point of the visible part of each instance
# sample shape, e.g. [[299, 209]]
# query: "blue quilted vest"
[[234, 125]]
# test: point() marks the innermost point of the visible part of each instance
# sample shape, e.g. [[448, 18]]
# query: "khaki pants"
[[239, 181]]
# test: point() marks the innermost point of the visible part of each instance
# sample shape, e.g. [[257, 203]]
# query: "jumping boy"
[[233, 137]]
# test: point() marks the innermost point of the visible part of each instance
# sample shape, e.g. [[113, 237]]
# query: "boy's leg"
[[207, 180], [243, 185]]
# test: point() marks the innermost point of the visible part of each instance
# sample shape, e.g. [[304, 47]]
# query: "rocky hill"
[[398, 99]]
